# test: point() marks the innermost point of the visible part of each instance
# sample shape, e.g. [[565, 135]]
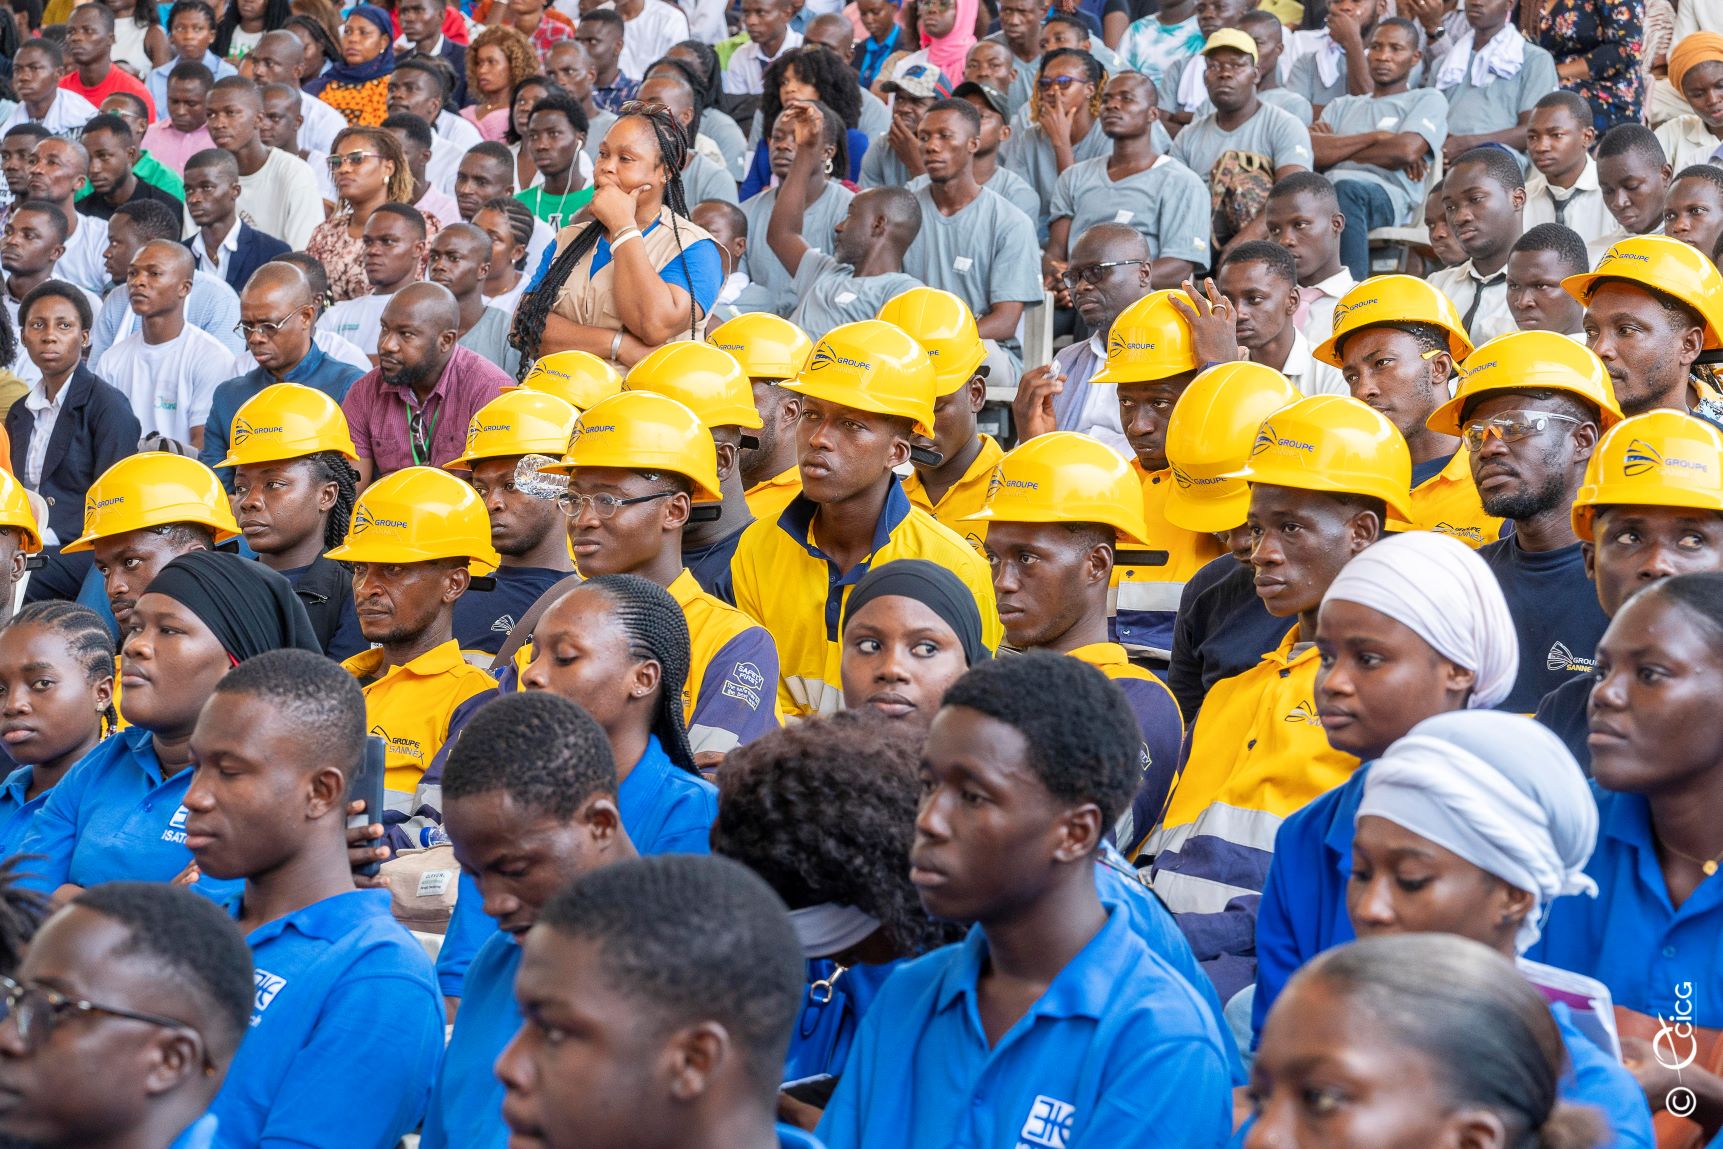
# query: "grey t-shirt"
[[875, 116], [1498, 105], [703, 179], [1417, 110], [818, 229], [596, 126], [1271, 133], [829, 293], [1006, 183], [880, 167], [984, 254], [1285, 99], [1029, 153], [1167, 204], [489, 339], [727, 134]]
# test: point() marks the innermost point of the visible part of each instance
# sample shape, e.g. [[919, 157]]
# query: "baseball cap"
[[996, 99], [926, 82], [1235, 38]]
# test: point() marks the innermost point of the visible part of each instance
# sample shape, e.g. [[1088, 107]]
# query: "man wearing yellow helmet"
[[866, 390], [417, 538], [20, 537], [770, 350], [1324, 473], [1531, 407], [526, 528], [1651, 508], [1060, 506]]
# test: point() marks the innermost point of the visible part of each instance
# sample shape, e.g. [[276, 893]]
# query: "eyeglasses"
[[1090, 273], [351, 159], [267, 328], [1511, 427], [574, 504], [37, 1011], [1048, 83]]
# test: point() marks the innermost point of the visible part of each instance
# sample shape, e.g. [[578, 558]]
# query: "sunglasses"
[[1511, 427], [1048, 83], [1091, 273], [351, 159]]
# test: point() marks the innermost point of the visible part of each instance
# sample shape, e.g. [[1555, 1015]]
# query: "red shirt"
[[118, 80]]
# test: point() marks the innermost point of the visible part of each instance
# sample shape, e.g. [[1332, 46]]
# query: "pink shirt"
[[173, 147], [378, 413]]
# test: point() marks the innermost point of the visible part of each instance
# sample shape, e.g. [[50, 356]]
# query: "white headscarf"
[[1500, 791], [1440, 589]]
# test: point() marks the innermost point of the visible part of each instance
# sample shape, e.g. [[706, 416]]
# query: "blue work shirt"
[[710, 565], [1631, 937], [1594, 1077], [346, 1031], [200, 1134], [826, 1029], [18, 813], [467, 1099], [1118, 1044], [483, 618], [113, 818], [330, 376]]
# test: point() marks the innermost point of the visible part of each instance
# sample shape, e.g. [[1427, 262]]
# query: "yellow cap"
[[1658, 459], [645, 431], [1663, 264], [418, 515], [1065, 477], [15, 512], [767, 346], [1529, 361], [1235, 38], [577, 378], [945, 328], [518, 422], [871, 366], [1150, 340], [287, 421], [1209, 437], [702, 378], [1391, 301], [154, 489], [1336, 445]]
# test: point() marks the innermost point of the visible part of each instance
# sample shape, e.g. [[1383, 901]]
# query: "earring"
[[828, 165]]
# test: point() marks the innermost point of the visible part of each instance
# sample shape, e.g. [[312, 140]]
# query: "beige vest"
[[590, 299]]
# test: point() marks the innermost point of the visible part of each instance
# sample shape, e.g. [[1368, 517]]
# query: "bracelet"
[[616, 346], [626, 235], [1437, 33]]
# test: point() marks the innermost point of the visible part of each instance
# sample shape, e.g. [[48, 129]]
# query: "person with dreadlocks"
[[639, 273], [293, 494]]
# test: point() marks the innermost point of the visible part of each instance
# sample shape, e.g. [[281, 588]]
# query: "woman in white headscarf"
[[1473, 824], [1413, 627]]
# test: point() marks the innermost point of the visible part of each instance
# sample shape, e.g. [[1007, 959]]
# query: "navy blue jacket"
[[255, 248], [95, 430]]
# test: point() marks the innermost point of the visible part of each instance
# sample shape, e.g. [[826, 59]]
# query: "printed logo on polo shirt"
[[1304, 712], [364, 520], [504, 624], [1049, 1123], [1561, 658], [745, 684], [407, 747], [269, 986], [1473, 535], [175, 832], [243, 431], [1643, 458]]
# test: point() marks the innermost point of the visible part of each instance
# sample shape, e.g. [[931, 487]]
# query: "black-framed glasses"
[[573, 504], [36, 1011], [1511, 427], [351, 159], [1091, 273], [266, 328]]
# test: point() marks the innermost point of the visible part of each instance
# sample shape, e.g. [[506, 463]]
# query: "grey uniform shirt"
[[489, 339], [1270, 133], [880, 167], [829, 293], [1498, 105], [818, 229], [727, 134], [984, 254], [702, 179], [1167, 204], [1005, 182], [1419, 110], [596, 126], [875, 116], [1029, 153]]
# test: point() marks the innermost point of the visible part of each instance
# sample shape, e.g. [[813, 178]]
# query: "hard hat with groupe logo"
[[708, 381], [15, 512], [1335, 445], [871, 366], [1150, 340], [945, 327], [154, 489], [1529, 361], [1394, 301], [287, 421], [1209, 437], [518, 422], [417, 515], [578, 378], [1658, 459], [1663, 264], [1066, 477], [767, 346], [645, 431]]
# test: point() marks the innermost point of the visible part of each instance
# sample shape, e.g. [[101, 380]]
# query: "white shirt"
[[1310, 375], [339, 349], [359, 320], [66, 115], [47, 412], [1583, 208], [282, 199], [706, 19], [1483, 301], [81, 263], [1687, 141], [1323, 295], [170, 384], [444, 165], [320, 123], [211, 260], [507, 301], [439, 203], [746, 74], [646, 38], [457, 130]]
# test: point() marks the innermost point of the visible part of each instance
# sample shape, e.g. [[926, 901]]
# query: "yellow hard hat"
[[1066, 477], [767, 346], [645, 431], [577, 378], [287, 421], [1529, 361], [1390, 301], [1209, 438], [1336, 445], [945, 328], [1658, 459], [702, 378], [518, 422], [417, 515], [15, 512], [871, 366], [1668, 265], [1150, 340], [154, 489]]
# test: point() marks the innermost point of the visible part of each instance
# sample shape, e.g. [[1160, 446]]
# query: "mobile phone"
[[367, 787], [816, 1090]]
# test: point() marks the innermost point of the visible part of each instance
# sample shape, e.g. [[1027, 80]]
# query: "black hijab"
[[934, 587], [248, 607]]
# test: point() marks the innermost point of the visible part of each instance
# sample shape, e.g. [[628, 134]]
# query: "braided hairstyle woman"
[[535, 306], [332, 467], [87, 640], [657, 631]]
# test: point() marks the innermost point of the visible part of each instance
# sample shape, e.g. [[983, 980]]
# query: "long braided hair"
[[332, 467], [535, 306], [657, 630], [86, 636]]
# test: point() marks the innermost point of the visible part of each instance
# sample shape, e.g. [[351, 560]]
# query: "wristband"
[[616, 347], [627, 234]]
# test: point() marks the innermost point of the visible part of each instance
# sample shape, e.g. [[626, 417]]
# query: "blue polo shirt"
[[1555, 612], [1596, 1078], [483, 618], [825, 1030], [17, 813], [200, 1134], [1222, 629], [113, 819], [1563, 710], [1118, 1044], [346, 1031], [1631, 937], [466, 1109], [710, 565], [330, 376]]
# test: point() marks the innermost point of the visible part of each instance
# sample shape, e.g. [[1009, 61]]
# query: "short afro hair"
[[542, 750], [1498, 163], [1087, 748], [1632, 139], [1563, 241], [1306, 183], [1279, 260], [152, 218], [57, 289], [1709, 173], [1574, 103], [320, 699], [690, 938]]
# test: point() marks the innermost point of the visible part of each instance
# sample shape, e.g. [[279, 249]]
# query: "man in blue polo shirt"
[[347, 1025], [1053, 1024], [529, 797]]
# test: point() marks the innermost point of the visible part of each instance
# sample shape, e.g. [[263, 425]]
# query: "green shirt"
[[556, 210], [153, 172]]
